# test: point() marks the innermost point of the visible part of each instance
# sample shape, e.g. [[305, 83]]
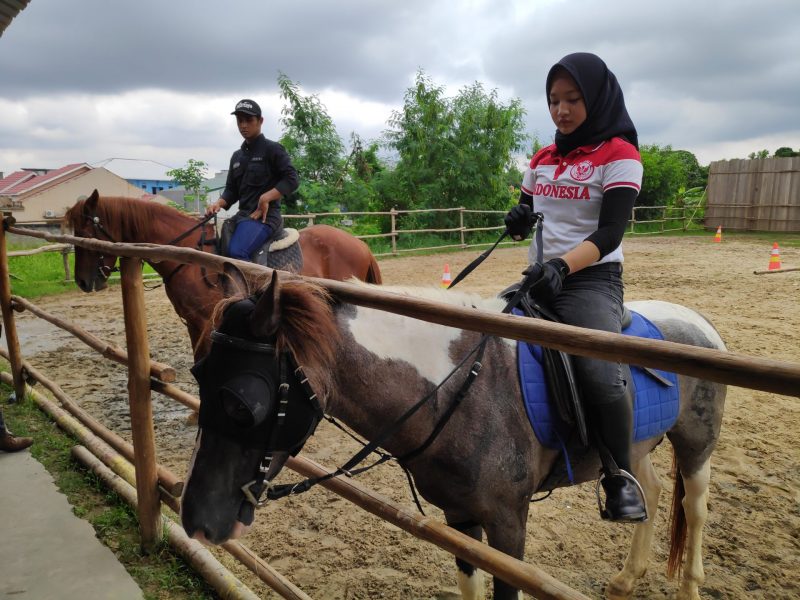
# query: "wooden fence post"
[[461, 225], [149, 510], [393, 214], [12, 340], [65, 255]]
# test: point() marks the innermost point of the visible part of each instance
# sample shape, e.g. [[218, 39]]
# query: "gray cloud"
[[86, 79], [108, 47]]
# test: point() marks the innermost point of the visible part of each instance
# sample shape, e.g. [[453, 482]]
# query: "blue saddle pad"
[[655, 407]]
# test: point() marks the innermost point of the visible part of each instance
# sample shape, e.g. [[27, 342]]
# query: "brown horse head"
[[111, 220]]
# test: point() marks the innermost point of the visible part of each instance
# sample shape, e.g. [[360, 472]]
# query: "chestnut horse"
[[366, 367], [327, 252]]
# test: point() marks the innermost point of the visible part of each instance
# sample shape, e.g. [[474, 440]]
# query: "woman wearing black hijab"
[[585, 185]]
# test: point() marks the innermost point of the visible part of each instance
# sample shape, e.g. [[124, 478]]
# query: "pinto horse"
[[327, 252], [366, 367]]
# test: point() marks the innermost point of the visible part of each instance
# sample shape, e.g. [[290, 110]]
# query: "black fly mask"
[[254, 396]]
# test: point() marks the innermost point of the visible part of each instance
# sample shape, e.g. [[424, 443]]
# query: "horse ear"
[[91, 201], [234, 284], [267, 313]]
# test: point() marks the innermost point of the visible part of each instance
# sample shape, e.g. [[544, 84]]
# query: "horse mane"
[[307, 328], [123, 218]]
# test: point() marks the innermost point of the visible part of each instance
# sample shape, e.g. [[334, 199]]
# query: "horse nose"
[[200, 536]]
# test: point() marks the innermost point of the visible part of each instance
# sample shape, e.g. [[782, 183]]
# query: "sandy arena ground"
[[332, 550]]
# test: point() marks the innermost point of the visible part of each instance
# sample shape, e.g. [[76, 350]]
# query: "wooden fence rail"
[[764, 374], [672, 219]]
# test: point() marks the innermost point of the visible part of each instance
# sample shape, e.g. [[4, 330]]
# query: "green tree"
[[191, 178], [759, 154], [362, 168], [664, 174], [453, 151], [785, 152], [315, 147], [696, 175]]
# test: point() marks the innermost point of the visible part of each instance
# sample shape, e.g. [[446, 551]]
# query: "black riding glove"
[[549, 285], [519, 221]]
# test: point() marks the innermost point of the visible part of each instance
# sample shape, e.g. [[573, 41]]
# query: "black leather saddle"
[[558, 368], [281, 251]]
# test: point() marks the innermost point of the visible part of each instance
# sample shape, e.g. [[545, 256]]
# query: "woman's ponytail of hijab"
[[606, 115]]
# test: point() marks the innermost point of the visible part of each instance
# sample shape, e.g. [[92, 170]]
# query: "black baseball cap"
[[248, 107]]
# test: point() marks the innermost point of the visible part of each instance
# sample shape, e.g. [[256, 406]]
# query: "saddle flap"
[[559, 376]]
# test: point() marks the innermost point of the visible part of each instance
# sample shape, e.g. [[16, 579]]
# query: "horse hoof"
[[192, 418], [616, 590], [690, 594]]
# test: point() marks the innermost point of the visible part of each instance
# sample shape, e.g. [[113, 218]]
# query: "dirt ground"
[[332, 550]]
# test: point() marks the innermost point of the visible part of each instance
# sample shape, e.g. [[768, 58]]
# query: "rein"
[[202, 242], [275, 492], [539, 219]]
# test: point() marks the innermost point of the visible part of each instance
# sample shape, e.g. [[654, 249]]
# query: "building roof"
[[25, 181], [17, 177], [8, 10]]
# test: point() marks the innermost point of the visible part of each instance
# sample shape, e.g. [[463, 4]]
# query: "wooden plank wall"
[[754, 195]]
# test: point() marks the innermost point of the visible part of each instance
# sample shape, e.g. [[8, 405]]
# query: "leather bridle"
[[105, 271]]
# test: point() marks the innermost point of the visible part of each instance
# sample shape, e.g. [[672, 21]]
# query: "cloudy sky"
[[151, 83]]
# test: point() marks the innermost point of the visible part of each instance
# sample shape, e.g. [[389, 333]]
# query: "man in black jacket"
[[259, 176]]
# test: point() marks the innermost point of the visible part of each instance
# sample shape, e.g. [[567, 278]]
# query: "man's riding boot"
[[624, 496], [12, 443]]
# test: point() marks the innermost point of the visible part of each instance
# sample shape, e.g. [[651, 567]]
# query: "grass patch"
[[161, 575], [43, 274]]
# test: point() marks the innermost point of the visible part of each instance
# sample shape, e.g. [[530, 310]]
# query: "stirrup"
[[604, 514]]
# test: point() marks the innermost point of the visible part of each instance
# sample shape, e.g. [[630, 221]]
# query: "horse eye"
[[236, 409]]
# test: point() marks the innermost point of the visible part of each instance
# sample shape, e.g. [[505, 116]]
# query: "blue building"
[[154, 186]]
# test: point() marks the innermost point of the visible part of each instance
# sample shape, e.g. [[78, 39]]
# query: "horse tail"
[[373, 271], [678, 527]]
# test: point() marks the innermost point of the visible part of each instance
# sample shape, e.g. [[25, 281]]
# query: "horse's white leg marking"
[[621, 585], [695, 505], [471, 587]]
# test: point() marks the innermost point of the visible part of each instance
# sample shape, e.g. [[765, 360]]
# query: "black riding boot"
[[624, 496]]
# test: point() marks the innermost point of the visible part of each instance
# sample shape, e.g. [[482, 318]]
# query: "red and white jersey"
[[568, 191]]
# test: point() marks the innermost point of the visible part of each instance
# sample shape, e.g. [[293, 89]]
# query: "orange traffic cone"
[[774, 258], [446, 279], [718, 237]]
